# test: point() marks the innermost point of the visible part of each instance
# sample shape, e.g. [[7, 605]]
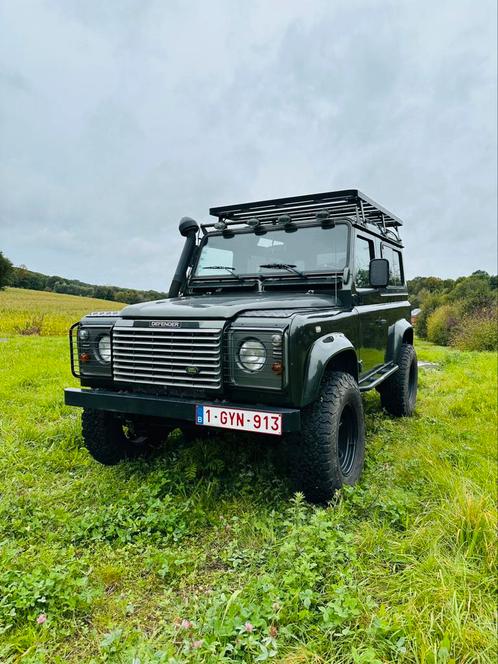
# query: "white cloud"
[[118, 118]]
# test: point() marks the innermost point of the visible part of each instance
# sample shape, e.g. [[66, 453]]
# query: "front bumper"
[[156, 406]]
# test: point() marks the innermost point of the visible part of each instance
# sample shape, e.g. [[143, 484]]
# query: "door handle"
[[381, 321]]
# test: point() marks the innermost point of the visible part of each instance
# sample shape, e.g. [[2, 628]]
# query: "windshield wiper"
[[223, 267], [284, 266]]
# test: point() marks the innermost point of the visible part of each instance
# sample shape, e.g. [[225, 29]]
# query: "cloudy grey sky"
[[118, 117]]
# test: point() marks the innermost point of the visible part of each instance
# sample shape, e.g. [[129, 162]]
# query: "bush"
[[442, 324], [475, 294], [478, 332], [431, 303], [467, 298]]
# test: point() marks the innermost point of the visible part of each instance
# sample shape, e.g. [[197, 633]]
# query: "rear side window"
[[396, 277], [363, 253]]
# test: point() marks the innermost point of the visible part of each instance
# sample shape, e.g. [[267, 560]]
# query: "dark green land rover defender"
[[280, 313]]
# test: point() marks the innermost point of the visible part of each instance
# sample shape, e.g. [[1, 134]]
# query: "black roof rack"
[[344, 203]]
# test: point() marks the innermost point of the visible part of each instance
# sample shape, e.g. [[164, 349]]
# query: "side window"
[[363, 254], [396, 277]]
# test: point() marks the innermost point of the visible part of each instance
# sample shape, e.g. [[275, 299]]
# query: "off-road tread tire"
[[104, 438], [394, 391], [314, 458]]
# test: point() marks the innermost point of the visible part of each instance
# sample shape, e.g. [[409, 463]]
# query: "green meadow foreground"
[[203, 555]]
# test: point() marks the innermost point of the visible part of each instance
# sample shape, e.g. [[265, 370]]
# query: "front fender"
[[395, 338], [321, 353]]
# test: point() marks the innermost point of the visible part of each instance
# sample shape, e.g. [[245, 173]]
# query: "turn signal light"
[[85, 357], [277, 368]]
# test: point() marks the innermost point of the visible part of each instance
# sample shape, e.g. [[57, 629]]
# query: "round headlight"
[[104, 348], [252, 355]]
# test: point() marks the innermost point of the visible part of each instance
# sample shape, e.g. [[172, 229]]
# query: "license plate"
[[238, 419]]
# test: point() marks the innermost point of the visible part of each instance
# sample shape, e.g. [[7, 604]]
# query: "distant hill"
[[33, 313], [21, 277]]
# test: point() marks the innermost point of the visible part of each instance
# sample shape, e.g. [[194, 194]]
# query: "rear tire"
[[111, 440], [398, 394], [331, 449]]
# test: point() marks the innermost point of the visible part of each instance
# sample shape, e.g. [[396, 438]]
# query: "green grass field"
[[202, 554], [30, 312]]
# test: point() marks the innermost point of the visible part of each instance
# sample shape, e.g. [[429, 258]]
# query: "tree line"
[[21, 277], [460, 312], [457, 312]]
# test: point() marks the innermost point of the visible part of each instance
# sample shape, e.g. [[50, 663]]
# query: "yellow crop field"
[[30, 312]]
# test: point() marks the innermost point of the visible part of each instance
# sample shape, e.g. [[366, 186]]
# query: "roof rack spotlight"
[[324, 218], [220, 225], [254, 222], [287, 223]]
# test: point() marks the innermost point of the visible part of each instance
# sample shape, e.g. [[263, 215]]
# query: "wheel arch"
[[331, 352], [408, 336], [399, 333]]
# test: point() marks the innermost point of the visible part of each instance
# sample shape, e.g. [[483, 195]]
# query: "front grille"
[[184, 357]]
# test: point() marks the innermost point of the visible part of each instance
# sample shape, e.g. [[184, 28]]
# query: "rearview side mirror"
[[379, 272]]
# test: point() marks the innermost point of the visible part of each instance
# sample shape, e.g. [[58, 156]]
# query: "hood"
[[227, 306]]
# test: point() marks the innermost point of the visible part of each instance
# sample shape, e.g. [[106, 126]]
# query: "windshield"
[[308, 249]]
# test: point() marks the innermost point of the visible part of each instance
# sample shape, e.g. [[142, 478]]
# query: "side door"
[[369, 302], [395, 295]]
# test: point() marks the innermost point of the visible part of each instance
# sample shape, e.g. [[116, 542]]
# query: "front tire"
[[331, 449], [398, 394], [111, 440]]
